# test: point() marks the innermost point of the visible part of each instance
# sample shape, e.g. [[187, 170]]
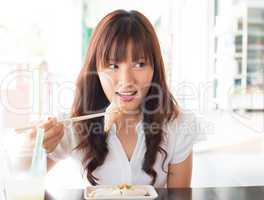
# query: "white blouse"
[[179, 137]]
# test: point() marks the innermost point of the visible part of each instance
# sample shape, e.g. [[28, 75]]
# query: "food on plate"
[[124, 186], [103, 192], [119, 191], [129, 190], [112, 113]]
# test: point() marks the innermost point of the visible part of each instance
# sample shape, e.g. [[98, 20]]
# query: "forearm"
[[50, 164], [180, 174]]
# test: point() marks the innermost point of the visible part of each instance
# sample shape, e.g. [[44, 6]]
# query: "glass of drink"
[[22, 182]]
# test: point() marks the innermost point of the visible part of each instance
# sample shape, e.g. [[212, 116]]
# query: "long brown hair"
[[110, 38]]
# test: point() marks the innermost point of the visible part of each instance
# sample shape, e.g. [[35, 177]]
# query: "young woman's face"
[[126, 82]]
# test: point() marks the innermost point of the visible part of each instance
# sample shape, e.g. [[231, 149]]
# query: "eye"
[[140, 65], [113, 66]]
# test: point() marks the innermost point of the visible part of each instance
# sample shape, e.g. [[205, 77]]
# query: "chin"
[[130, 108]]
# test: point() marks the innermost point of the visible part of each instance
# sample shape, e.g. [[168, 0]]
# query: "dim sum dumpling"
[[112, 113]]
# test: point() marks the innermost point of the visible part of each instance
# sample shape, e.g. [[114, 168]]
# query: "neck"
[[127, 122]]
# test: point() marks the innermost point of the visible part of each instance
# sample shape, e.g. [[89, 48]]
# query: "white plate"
[[150, 189]]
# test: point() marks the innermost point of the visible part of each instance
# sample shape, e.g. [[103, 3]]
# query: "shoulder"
[[184, 124], [181, 133]]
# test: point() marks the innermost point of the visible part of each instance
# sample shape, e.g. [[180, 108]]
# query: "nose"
[[126, 77]]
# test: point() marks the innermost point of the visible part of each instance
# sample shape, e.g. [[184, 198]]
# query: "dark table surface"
[[228, 193]]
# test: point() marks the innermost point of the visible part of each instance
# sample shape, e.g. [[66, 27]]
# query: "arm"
[[180, 174], [50, 164]]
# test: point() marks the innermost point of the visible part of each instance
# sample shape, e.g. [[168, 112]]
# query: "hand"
[[53, 133]]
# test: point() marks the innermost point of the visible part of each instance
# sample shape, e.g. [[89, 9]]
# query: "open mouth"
[[127, 96], [131, 93]]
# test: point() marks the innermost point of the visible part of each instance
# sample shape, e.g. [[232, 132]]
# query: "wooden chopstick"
[[74, 119]]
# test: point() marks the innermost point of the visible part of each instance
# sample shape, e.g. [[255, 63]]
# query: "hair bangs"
[[124, 38]]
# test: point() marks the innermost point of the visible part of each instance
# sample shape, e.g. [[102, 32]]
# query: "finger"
[[32, 133], [51, 144], [55, 130], [50, 117], [58, 133], [49, 123]]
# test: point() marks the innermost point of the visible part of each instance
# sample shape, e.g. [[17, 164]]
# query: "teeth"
[[127, 93]]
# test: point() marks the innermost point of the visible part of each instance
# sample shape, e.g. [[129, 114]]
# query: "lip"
[[127, 96], [132, 92]]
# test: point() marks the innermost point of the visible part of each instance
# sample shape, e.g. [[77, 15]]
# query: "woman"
[[151, 143]]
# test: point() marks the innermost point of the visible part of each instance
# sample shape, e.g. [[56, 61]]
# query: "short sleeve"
[[184, 132], [66, 146]]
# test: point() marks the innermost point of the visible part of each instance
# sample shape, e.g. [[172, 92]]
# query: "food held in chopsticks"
[[112, 113]]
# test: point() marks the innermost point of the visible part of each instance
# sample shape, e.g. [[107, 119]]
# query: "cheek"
[[108, 84], [144, 81]]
